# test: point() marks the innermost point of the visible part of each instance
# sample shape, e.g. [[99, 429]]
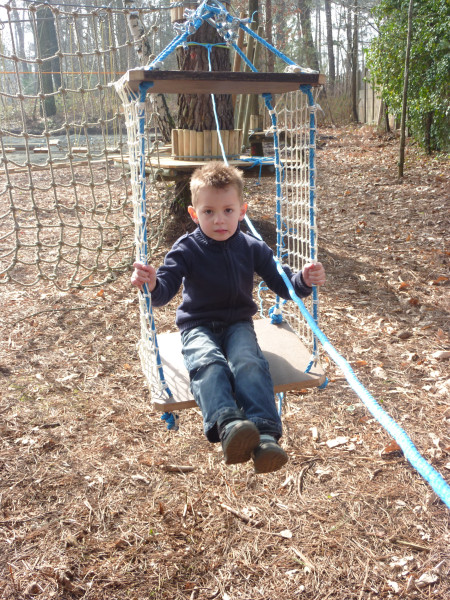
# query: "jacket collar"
[[202, 238]]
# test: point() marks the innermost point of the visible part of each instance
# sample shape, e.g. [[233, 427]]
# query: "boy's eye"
[[228, 210]]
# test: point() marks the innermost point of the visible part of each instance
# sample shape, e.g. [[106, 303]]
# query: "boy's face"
[[218, 212]]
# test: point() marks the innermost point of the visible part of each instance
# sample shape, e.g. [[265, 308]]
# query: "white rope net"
[[293, 220], [65, 211], [151, 201], [296, 222]]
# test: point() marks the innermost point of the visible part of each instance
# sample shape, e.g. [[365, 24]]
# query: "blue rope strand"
[[143, 256], [306, 89], [435, 479]]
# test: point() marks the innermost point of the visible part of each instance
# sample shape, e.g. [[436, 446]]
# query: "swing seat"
[[286, 354]]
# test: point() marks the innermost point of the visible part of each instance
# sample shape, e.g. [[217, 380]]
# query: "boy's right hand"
[[144, 274]]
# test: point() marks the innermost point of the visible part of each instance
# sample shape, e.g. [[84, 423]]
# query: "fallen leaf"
[[441, 354], [439, 280], [404, 334], [286, 534], [403, 285], [394, 585], [426, 579], [360, 363], [379, 372], [392, 449], [339, 441]]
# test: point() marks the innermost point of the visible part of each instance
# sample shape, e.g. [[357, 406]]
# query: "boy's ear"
[[193, 214], [243, 211]]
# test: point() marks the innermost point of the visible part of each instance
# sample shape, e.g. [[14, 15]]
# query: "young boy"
[[229, 375]]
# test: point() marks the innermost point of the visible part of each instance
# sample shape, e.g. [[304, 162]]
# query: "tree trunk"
[[311, 58], [427, 131], [144, 52], [20, 49], [401, 158], [269, 37], [349, 53], [253, 101], [47, 45], [195, 111], [330, 47], [355, 63]]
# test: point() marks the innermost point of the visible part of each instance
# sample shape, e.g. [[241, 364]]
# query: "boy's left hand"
[[313, 274]]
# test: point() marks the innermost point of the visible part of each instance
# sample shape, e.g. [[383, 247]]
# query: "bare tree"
[[144, 52], [311, 58], [330, 46], [401, 158], [354, 63], [47, 46], [269, 36]]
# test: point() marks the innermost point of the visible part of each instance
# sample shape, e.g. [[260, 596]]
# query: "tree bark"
[[144, 52], [401, 158], [47, 45], [330, 46], [427, 131], [355, 63], [195, 111], [311, 58], [269, 37]]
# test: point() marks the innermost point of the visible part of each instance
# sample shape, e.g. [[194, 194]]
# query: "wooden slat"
[[286, 354], [219, 82]]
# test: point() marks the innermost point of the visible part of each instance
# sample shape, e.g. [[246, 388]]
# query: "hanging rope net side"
[[151, 199], [65, 212], [293, 120]]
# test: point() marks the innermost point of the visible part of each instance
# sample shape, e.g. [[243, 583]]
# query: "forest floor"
[[89, 507]]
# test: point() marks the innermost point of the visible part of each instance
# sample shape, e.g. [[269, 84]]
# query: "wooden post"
[[175, 150], [237, 58], [214, 145], [243, 101], [192, 144], [200, 150], [207, 144]]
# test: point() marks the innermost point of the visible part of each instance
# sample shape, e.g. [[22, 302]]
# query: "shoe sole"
[[241, 442], [268, 460]]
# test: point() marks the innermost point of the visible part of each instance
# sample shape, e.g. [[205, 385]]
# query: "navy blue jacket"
[[217, 278]]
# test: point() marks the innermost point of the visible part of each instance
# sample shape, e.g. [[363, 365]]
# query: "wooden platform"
[[285, 353], [218, 82], [171, 167]]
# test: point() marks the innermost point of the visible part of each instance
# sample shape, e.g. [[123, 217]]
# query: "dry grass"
[[88, 507]]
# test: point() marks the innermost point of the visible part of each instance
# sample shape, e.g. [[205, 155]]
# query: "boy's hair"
[[217, 175]]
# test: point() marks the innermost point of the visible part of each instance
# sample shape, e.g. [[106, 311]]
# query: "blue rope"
[[143, 257], [435, 479], [171, 421], [306, 89], [276, 314], [213, 101]]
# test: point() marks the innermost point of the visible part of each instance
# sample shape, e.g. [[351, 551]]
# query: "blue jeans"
[[230, 376]]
